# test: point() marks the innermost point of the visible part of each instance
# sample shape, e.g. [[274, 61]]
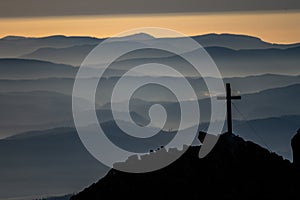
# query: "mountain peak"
[[232, 35], [12, 37], [137, 37], [234, 169]]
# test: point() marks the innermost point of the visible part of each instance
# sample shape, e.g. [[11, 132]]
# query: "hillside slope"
[[235, 169]]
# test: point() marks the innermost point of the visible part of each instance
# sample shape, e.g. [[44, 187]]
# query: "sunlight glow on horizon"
[[271, 27]]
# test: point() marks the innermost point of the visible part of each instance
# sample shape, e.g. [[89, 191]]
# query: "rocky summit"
[[234, 169]]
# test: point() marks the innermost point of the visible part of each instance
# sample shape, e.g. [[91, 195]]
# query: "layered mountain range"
[[40, 149]]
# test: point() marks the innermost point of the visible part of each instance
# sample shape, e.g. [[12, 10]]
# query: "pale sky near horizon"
[[274, 27]]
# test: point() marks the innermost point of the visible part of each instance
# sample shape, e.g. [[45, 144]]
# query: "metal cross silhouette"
[[228, 98]]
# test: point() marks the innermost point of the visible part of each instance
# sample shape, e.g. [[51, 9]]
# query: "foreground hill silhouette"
[[234, 169], [296, 149]]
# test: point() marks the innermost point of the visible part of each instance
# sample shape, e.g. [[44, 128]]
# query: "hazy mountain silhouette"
[[235, 41], [14, 68], [229, 61], [264, 104], [43, 163], [75, 55], [234, 169], [70, 55], [35, 110], [22, 111], [38, 110], [253, 62], [242, 85], [274, 133], [231, 52], [14, 46], [33, 69], [35, 94], [272, 102], [53, 160], [252, 84], [56, 157], [59, 85], [246, 54]]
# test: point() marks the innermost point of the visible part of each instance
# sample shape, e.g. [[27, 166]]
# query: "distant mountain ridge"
[[235, 55], [264, 104], [56, 157], [238, 41], [14, 68], [36, 83], [41, 161], [242, 85], [74, 55], [22, 111], [274, 132], [230, 62], [15, 46], [48, 104]]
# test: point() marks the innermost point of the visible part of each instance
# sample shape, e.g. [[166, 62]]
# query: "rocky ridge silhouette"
[[234, 169]]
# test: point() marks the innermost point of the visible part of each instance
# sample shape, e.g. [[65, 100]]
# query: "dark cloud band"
[[40, 8]]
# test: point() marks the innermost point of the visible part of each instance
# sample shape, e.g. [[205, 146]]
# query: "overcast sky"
[[36, 8]]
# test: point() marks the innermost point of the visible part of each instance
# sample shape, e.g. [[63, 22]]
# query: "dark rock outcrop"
[[234, 169], [296, 149]]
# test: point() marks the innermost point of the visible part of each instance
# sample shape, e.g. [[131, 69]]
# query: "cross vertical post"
[[228, 102], [228, 99]]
